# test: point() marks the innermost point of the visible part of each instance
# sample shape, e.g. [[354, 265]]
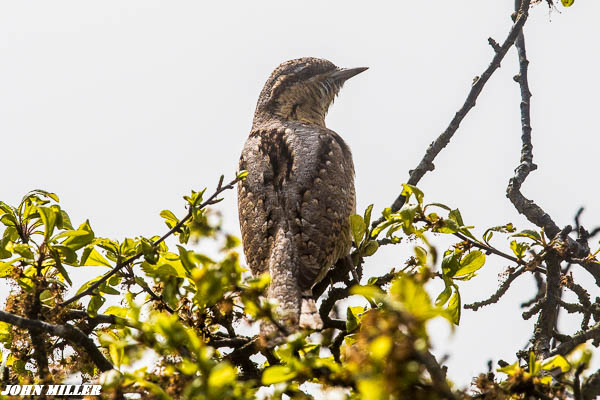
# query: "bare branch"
[[524, 206], [426, 163]]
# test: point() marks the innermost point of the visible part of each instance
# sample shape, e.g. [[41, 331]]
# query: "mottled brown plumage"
[[295, 202]]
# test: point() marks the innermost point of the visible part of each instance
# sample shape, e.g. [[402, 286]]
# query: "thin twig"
[[499, 293], [490, 249]]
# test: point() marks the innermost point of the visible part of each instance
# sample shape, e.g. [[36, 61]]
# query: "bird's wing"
[[255, 204], [323, 172]]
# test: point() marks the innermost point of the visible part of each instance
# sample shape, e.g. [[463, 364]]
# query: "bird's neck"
[[306, 104]]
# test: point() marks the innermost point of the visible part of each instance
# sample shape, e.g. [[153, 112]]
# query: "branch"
[[566, 347], [176, 228], [490, 249], [437, 374], [528, 208], [591, 388], [99, 319], [334, 294], [67, 332], [499, 293], [241, 357], [544, 327], [593, 267], [426, 164]]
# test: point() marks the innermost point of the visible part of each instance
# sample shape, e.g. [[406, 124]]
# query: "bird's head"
[[302, 90]]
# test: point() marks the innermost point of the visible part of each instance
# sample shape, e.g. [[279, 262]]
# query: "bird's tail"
[[309, 315], [283, 289]]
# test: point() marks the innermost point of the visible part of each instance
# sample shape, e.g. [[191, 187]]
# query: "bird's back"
[[301, 183]]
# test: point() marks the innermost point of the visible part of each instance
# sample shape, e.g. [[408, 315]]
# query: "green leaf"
[[367, 216], [409, 190], [370, 248], [373, 388], [440, 205], [62, 271], [221, 375], [48, 217], [9, 220], [117, 311], [511, 369], [380, 347], [7, 268], [407, 214], [470, 263], [170, 219], [447, 226], [68, 255], [242, 174], [414, 298], [187, 259], [456, 216], [445, 294], [150, 251], [23, 250], [80, 240], [528, 233], [63, 221], [92, 257], [5, 333], [277, 374], [557, 361], [358, 226], [519, 248], [94, 305], [74, 232], [451, 264], [3, 252], [42, 193], [421, 255], [534, 366], [369, 292], [454, 307], [88, 284], [353, 317], [379, 228]]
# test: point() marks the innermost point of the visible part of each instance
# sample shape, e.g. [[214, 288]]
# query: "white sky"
[[122, 107]]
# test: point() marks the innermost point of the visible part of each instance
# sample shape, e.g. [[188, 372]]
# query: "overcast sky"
[[122, 107]]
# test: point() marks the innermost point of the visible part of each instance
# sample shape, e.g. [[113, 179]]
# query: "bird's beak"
[[343, 74]]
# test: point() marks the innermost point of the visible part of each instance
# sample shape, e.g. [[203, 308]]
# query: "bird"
[[295, 202]]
